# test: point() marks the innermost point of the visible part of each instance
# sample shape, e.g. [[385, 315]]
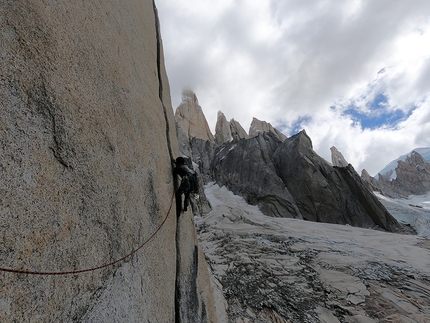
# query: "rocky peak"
[[411, 176], [258, 126], [366, 176], [246, 168], [227, 131], [301, 141], [289, 179], [190, 119], [222, 129], [325, 193], [417, 159], [337, 158], [237, 131]]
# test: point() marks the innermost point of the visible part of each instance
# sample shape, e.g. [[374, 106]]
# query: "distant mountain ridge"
[[407, 175], [391, 166], [284, 176], [191, 123]]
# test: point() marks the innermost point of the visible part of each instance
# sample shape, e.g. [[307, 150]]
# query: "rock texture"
[[288, 179], [328, 194], [337, 158], [367, 178], [237, 131], [246, 167], [227, 131], [286, 270], [423, 151], [258, 126], [411, 176], [222, 129], [194, 287], [190, 118], [203, 152], [86, 139]]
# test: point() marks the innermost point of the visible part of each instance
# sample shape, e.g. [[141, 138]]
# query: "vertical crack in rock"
[[193, 294], [160, 80], [177, 289], [169, 146]]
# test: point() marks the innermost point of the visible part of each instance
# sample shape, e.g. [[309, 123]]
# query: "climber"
[[187, 185]]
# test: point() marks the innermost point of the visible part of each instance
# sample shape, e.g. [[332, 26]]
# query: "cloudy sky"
[[354, 74]]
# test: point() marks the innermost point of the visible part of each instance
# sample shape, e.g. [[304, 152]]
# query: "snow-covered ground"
[[288, 270], [414, 211]]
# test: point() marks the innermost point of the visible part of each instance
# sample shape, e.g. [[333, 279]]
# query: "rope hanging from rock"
[[29, 272]]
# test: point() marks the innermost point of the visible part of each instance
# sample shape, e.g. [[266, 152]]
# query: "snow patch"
[[415, 211], [424, 152], [195, 167]]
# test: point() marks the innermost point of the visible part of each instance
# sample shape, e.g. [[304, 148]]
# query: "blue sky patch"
[[379, 102], [374, 121], [297, 126], [375, 113], [377, 117]]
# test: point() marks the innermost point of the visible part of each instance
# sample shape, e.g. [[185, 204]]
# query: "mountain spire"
[[190, 118]]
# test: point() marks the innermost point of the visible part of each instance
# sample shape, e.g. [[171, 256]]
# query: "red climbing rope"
[[29, 272]]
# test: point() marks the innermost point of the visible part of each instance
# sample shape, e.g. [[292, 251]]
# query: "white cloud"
[[282, 61]]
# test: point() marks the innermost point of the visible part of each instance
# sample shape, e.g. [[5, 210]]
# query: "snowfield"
[[414, 211], [288, 270]]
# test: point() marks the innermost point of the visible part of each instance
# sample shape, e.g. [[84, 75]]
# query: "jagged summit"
[[237, 131], [285, 179], [190, 118], [227, 131], [407, 175], [389, 170], [337, 158], [288, 179], [258, 126], [191, 123], [222, 129]]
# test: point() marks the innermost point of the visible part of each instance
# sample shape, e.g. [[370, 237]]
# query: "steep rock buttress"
[[86, 139]]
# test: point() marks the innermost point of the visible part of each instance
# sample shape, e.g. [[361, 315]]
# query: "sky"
[[354, 74]]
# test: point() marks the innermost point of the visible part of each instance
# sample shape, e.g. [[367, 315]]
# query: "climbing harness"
[[29, 272]]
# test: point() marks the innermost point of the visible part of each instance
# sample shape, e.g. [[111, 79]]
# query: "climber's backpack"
[[190, 183]]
